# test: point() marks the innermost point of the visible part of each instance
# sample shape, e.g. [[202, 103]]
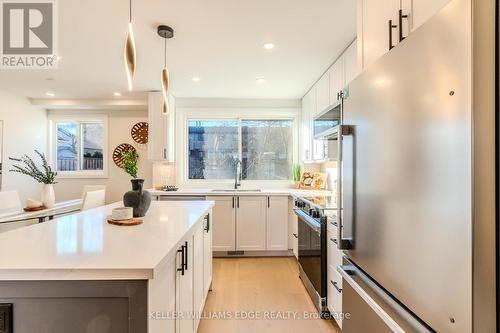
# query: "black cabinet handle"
[[207, 226], [296, 236], [333, 240], [233, 202], [336, 286], [238, 199], [335, 224], [186, 254], [268, 202], [391, 27], [181, 250], [401, 17]]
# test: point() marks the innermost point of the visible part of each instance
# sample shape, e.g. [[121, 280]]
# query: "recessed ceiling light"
[[50, 94], [269, 46], [117, 94], [260, 79], [196, 79]]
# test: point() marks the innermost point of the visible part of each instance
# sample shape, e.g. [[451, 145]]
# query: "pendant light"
[[165, 32], [130, 52]]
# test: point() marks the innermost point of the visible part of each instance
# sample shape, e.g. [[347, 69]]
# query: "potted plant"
[[296, 174], [138, 199], [44, 175]]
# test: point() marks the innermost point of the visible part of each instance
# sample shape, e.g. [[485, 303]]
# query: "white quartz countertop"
[[229, 192], [85, 246]]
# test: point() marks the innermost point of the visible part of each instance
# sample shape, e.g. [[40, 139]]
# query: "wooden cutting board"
[[124, 223]]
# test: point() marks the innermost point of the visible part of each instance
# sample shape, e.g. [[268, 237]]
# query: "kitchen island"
[[80, 274]]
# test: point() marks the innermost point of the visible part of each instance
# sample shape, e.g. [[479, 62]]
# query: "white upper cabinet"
[[337, 80], [424, 10], [374, 34], [322, 94], [161, 141], [308, 107], [374, 29], [351, 66]]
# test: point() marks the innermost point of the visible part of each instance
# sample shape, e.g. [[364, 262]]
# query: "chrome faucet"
[[237, 174]]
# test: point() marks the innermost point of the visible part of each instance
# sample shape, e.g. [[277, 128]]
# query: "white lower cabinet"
[[277, 223], [251, 223], [223, 223], [207, 255], [181, 283], [184, 287], [334, 258]]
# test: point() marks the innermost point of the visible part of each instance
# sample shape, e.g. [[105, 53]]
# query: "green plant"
[[43, 175], [296, 172], [130, 162]]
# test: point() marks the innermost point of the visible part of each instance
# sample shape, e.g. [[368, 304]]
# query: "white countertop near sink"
[[265, 192], [84, 246]]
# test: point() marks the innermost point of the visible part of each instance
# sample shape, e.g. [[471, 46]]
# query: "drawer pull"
[[295, 235], [336, 286], [334, 241]]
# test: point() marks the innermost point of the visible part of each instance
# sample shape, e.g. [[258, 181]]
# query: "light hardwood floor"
[[261, 286]]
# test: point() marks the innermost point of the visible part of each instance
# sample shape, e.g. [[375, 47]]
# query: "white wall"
[[120, 123], [24, 129]]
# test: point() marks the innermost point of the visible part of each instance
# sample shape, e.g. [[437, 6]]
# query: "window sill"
[[81, 175]]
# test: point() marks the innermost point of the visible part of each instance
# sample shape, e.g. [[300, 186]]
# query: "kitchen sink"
[[238, 190]]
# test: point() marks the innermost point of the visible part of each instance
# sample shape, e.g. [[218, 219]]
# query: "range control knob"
[[314, 213]]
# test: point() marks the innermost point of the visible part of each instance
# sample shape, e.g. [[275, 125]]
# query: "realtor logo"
[[28, 34]]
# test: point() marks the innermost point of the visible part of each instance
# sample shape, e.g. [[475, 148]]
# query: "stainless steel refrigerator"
[[409, 166]]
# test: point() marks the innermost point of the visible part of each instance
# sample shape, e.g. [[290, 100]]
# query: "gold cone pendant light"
[[130, 52], [165, 32]]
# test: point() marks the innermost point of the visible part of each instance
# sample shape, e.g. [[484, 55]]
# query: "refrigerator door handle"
[[349, 271], [343, 243]]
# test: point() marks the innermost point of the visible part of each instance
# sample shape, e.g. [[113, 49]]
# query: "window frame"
[[184, 115], [54, 120]]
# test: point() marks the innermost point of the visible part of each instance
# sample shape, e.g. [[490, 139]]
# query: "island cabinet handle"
[[233, 202], [186, 254], [207, 226], [268, 202], [181, 250]]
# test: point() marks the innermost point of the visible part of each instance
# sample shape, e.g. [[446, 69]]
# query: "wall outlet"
[[6, 318]]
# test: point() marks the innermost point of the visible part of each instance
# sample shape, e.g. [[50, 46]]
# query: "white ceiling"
[[219, 41]]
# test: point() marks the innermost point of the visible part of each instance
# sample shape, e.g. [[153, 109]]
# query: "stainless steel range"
[[313, 215]]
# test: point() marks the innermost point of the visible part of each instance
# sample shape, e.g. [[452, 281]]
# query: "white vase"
[[48, 196]]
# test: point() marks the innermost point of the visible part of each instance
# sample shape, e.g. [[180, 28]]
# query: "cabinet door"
[[184, 289], [306, 125], [320, 150], [223, 223], [351, 69], [322, 94], [198, 278], [251, 223], [336, 79], [277, 223], [424, 10], [295, 235], [207, 255], [161, 129], [375, 28]]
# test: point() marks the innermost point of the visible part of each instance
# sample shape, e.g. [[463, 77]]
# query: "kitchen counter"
[[80, 274], [229, 192], [84, 246]]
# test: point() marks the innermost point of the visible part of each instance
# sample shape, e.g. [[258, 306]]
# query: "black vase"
[[138, 199]]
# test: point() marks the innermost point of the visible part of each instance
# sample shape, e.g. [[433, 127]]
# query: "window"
[[265, 148], [79, 146]]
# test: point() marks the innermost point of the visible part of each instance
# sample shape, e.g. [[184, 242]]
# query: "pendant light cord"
[[165, 48], [130, 11]]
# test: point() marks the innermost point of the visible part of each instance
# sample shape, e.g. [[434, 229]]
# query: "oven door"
[[312, 253]]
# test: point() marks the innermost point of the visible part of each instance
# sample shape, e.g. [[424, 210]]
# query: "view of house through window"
[[265, 149], [80, 146]]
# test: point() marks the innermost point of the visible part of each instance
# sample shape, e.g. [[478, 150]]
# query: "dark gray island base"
[[77, 306]]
